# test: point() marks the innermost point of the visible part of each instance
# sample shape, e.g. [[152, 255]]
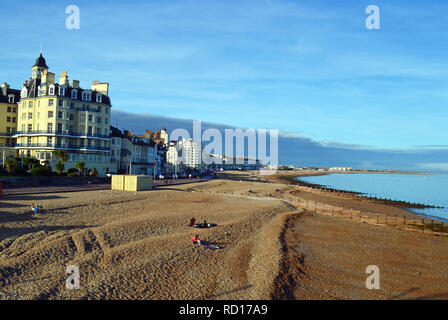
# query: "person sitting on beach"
[[205, 224], [32, 208], [196, 240], [192, 222]]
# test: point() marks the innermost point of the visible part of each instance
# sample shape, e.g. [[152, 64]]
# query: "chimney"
[[50, 78], [75, 84], [102, 87], [63, 80], [5, 88]]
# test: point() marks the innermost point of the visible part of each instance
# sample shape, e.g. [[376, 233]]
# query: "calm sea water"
[[427, 189]]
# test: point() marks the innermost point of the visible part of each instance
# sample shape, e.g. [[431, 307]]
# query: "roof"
[[40, 62], [32, 86], [5, 99]]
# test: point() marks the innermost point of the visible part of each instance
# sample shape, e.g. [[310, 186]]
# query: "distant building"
[[183, 155], [132, 154]]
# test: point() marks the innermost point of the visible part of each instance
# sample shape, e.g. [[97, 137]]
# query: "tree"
[[60, 167], [11, 166], [80, 166], [62, 155]]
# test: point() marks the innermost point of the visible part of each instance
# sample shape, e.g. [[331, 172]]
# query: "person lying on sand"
[[196, 240]]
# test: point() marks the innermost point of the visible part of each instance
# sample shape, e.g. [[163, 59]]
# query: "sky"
[[308, 68]]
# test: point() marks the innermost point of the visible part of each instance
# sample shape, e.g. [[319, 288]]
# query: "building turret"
[[39, 67]]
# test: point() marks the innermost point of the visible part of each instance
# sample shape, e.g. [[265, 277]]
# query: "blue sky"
[[309, 68]]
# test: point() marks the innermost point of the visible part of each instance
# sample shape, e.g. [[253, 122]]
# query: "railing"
[[61, 133], [60, 146], [7, 145], [6, 134], [423, 225]]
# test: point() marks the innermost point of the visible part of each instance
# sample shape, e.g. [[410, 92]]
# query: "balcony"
[[7, 145], [66, 146], [63, 133], [6, 134]]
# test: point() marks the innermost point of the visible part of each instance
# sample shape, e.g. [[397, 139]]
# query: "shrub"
[[72, 170], [40, 171], [72, 174]]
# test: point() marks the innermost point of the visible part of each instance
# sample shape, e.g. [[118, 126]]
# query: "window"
[[98, 131], [72, 105], [51, 90], [30, 127], [14, 119], [29, 140], [11, 98], [59, 127], [9, 109], [8, 130], [30, 116], [71, 116], [61, 103], [89, 130], [86, 96], [74, 94], [99, 109], [50, 102], [50, 114], [8, 119], [30, 104], [82, 118], [98, 98], [38, 115], [49, 141], [98, 119], [24, 116], [106, 120], [62, 91], [50, 128], [60, 115], [14, 109], [90, 117]]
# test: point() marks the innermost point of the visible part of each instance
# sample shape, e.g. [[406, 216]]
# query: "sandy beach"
[[138, 245]]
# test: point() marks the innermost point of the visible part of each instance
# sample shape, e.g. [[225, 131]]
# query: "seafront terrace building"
[[8, 120], [63, 116]]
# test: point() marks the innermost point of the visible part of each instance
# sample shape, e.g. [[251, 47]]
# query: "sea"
[[431, 189]]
